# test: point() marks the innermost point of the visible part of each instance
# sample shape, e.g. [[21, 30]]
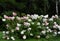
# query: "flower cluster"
[[36, 26]]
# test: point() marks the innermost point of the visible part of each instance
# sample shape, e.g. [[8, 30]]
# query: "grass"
[[41, 39]]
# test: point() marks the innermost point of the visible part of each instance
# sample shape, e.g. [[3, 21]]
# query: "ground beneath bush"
[[41, 39]]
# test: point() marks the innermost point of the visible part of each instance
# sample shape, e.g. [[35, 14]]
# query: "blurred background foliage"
[[29, 6]]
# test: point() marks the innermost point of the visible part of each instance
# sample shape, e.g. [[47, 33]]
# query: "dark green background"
[[29, 6]]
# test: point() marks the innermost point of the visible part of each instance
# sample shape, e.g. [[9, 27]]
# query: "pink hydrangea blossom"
[[12, 18], [53, 16], [14, 13], [6, 17], [26, 24], [56, 16], [17, 28], [25, 18], [46, 23]]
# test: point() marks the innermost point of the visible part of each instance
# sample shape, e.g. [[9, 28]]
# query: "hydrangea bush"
[[31, 26]]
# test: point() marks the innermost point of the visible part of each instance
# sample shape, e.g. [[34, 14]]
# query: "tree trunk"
[[57, 7]]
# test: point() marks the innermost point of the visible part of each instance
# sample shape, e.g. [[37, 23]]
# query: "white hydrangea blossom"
[[51, 19], [24, 36], [59, 27], [46, 16], [55, 26], [29, 29], [7, 25], [29, 20], [55, 33], [38, 23], [7, 32], [55, 23], [8, 38], [44, 19], [39, 17], [47, 27], [42, 15], [4, 20], [18, 24], [58, 32], [12, 38], [23, 31], [31, 34], [49, 30], [28, 15], [38, 36], [43, 32], [12, 30], [4, 33], [35, 16], [32, 23], [43, 24]]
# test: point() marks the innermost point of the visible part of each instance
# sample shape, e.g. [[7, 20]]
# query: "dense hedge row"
[[30, 26]]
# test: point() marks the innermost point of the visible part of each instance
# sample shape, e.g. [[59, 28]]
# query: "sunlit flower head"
[[31, 34], [44, 20], [23, 31], [38, 36], [29, 20], [18, 24], [35, 16], [24, 37], [12, 38], [46, 16], [7, 32], [58, 32], [4, 20], [43, 32], [29, 29], [51, 19]]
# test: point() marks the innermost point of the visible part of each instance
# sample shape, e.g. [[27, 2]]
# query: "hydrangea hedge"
[[31, 26]]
